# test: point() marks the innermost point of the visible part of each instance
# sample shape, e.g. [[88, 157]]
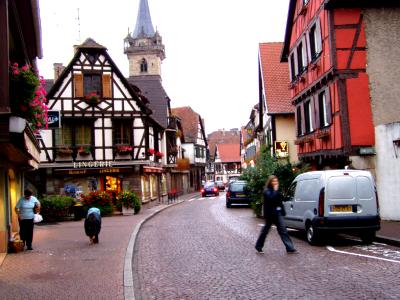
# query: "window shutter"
[[328, 106], [308, 46], [319, 37], [107, 86], [78, 82], [305, 56], [316, 118]]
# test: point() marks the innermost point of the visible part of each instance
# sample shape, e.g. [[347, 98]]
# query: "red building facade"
[[325, 48]]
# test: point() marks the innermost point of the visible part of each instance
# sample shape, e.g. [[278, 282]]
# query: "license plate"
[[240, 195], [342, 208]]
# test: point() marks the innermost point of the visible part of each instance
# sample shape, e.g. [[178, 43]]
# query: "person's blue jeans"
[[276, 219]]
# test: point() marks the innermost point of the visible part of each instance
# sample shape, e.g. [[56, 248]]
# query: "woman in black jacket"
[[273, 214]]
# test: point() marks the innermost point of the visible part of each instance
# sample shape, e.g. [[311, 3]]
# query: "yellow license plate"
[[240, 195], [342, 208]]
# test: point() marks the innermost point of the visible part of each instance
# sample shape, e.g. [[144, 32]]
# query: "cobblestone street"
[[202, 250]]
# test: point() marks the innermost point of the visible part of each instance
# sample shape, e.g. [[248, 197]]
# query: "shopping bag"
[[37, 218]]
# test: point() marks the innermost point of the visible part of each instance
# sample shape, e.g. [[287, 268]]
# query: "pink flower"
[[15, 65], [16, 72], [24, 68]]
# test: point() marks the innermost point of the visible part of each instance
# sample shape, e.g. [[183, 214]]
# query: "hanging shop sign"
[[281, 149], [54, 119]]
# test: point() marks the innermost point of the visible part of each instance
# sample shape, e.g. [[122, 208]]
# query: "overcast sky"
[[211, 46]]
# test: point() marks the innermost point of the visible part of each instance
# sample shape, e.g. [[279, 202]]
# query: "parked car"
[[221, 185], [210, 188], [334, 201], [238, 193]]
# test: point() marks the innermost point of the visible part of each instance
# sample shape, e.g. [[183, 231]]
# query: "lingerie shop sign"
[[92, 164]]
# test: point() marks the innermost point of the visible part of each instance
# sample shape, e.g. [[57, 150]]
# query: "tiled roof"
[[189, 120], [229, 152], [152, 89], [91, 43], [222, 137], [275, 79]]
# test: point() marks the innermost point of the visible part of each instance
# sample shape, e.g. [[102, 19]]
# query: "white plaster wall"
[[47, 136], [189, 152], [388, 170]]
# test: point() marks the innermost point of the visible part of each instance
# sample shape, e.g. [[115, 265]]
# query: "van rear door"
[[350, 194]]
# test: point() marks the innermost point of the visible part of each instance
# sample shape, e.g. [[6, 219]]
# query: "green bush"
[[267, 165], [55, 207], [100, 200]]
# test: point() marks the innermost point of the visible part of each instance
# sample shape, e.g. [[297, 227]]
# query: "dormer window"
[[143, 66], [91, 84]]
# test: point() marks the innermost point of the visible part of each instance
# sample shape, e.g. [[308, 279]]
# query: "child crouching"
[[93, 225]]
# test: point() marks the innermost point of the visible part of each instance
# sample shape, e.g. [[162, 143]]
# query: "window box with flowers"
[[323, 134], [159, 154], [64, 151], [84, 150], [124, 149], [28, 96], [151, 152], [92, 98]]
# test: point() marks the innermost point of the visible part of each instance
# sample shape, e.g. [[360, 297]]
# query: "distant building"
[[227, 162], [195, 144], [277, 118]]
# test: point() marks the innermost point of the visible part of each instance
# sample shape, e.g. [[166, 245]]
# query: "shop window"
[[164, 184], [145, 187], [308, 116], [91, 84], [122, 132], [153, 186], [63, 135], [113, 184]]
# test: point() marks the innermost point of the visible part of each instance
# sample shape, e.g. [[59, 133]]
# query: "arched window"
[[143, 66]]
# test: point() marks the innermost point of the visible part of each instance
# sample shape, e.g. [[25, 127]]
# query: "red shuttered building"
[[325, 48]]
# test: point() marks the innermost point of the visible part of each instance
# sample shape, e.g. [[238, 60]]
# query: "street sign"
[[281, 149], [53, 119]]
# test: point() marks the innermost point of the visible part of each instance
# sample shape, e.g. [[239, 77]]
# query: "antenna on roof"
[[78, 19]]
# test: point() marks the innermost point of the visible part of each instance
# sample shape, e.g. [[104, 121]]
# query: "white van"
[[333, 201]]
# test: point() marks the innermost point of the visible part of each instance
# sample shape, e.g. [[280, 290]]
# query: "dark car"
[[238, 193], [210, 188]]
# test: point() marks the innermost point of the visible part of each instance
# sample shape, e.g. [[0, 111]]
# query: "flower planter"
[[64, 151], [127, 211], [17, 124]]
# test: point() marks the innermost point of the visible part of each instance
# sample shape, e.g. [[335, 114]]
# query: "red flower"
[[152, 151], [159, 154]]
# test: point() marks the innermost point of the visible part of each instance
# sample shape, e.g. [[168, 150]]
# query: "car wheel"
[[311, 234], [228, 204], [368, 237]]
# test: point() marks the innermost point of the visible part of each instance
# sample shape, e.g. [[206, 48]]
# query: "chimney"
[[58, 69]]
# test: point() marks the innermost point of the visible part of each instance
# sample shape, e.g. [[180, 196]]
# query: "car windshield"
[[238, 187], [210, 184]]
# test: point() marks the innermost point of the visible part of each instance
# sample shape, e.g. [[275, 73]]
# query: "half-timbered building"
[[227, 161], [326, 52], [106, 139], [195, 145]]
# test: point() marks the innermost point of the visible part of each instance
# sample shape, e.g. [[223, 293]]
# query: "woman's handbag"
[[37, 218]]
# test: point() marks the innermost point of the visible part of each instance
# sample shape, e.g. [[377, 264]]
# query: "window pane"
[[91, 84], [300, 58], [83, 134], [63, 135], [322, 109], [312, 36], [299, 121], [292, 67], [122, 132]]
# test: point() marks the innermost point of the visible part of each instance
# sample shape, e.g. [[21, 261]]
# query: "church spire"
[[144, 26]]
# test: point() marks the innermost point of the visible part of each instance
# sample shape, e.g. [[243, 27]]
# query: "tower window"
[[143, 66]]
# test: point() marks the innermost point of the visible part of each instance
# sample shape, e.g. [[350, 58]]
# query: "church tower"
[[144, 46]]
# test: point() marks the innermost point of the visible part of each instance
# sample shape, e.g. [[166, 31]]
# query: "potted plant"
[[64, 150], [84, 150], [130, 202], [101, 200], [28, 96], [92, 98], [124, 149]]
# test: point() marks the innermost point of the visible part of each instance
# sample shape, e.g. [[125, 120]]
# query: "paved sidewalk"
[[63, 265], [389, 233]]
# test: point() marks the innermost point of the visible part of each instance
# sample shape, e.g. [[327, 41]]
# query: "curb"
[[129, 292], [388, 240]]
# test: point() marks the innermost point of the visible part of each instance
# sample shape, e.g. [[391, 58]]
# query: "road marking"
[[330, 248]]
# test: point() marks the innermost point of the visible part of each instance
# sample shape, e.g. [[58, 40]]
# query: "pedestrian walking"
[[26, 208], [273, 214], [93, 225]]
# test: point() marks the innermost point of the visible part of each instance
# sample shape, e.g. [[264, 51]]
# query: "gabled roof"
[[275, 78], [229, 152], [222, 137], [190, 121], [152, 89], [102, 50], [144, 26]]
